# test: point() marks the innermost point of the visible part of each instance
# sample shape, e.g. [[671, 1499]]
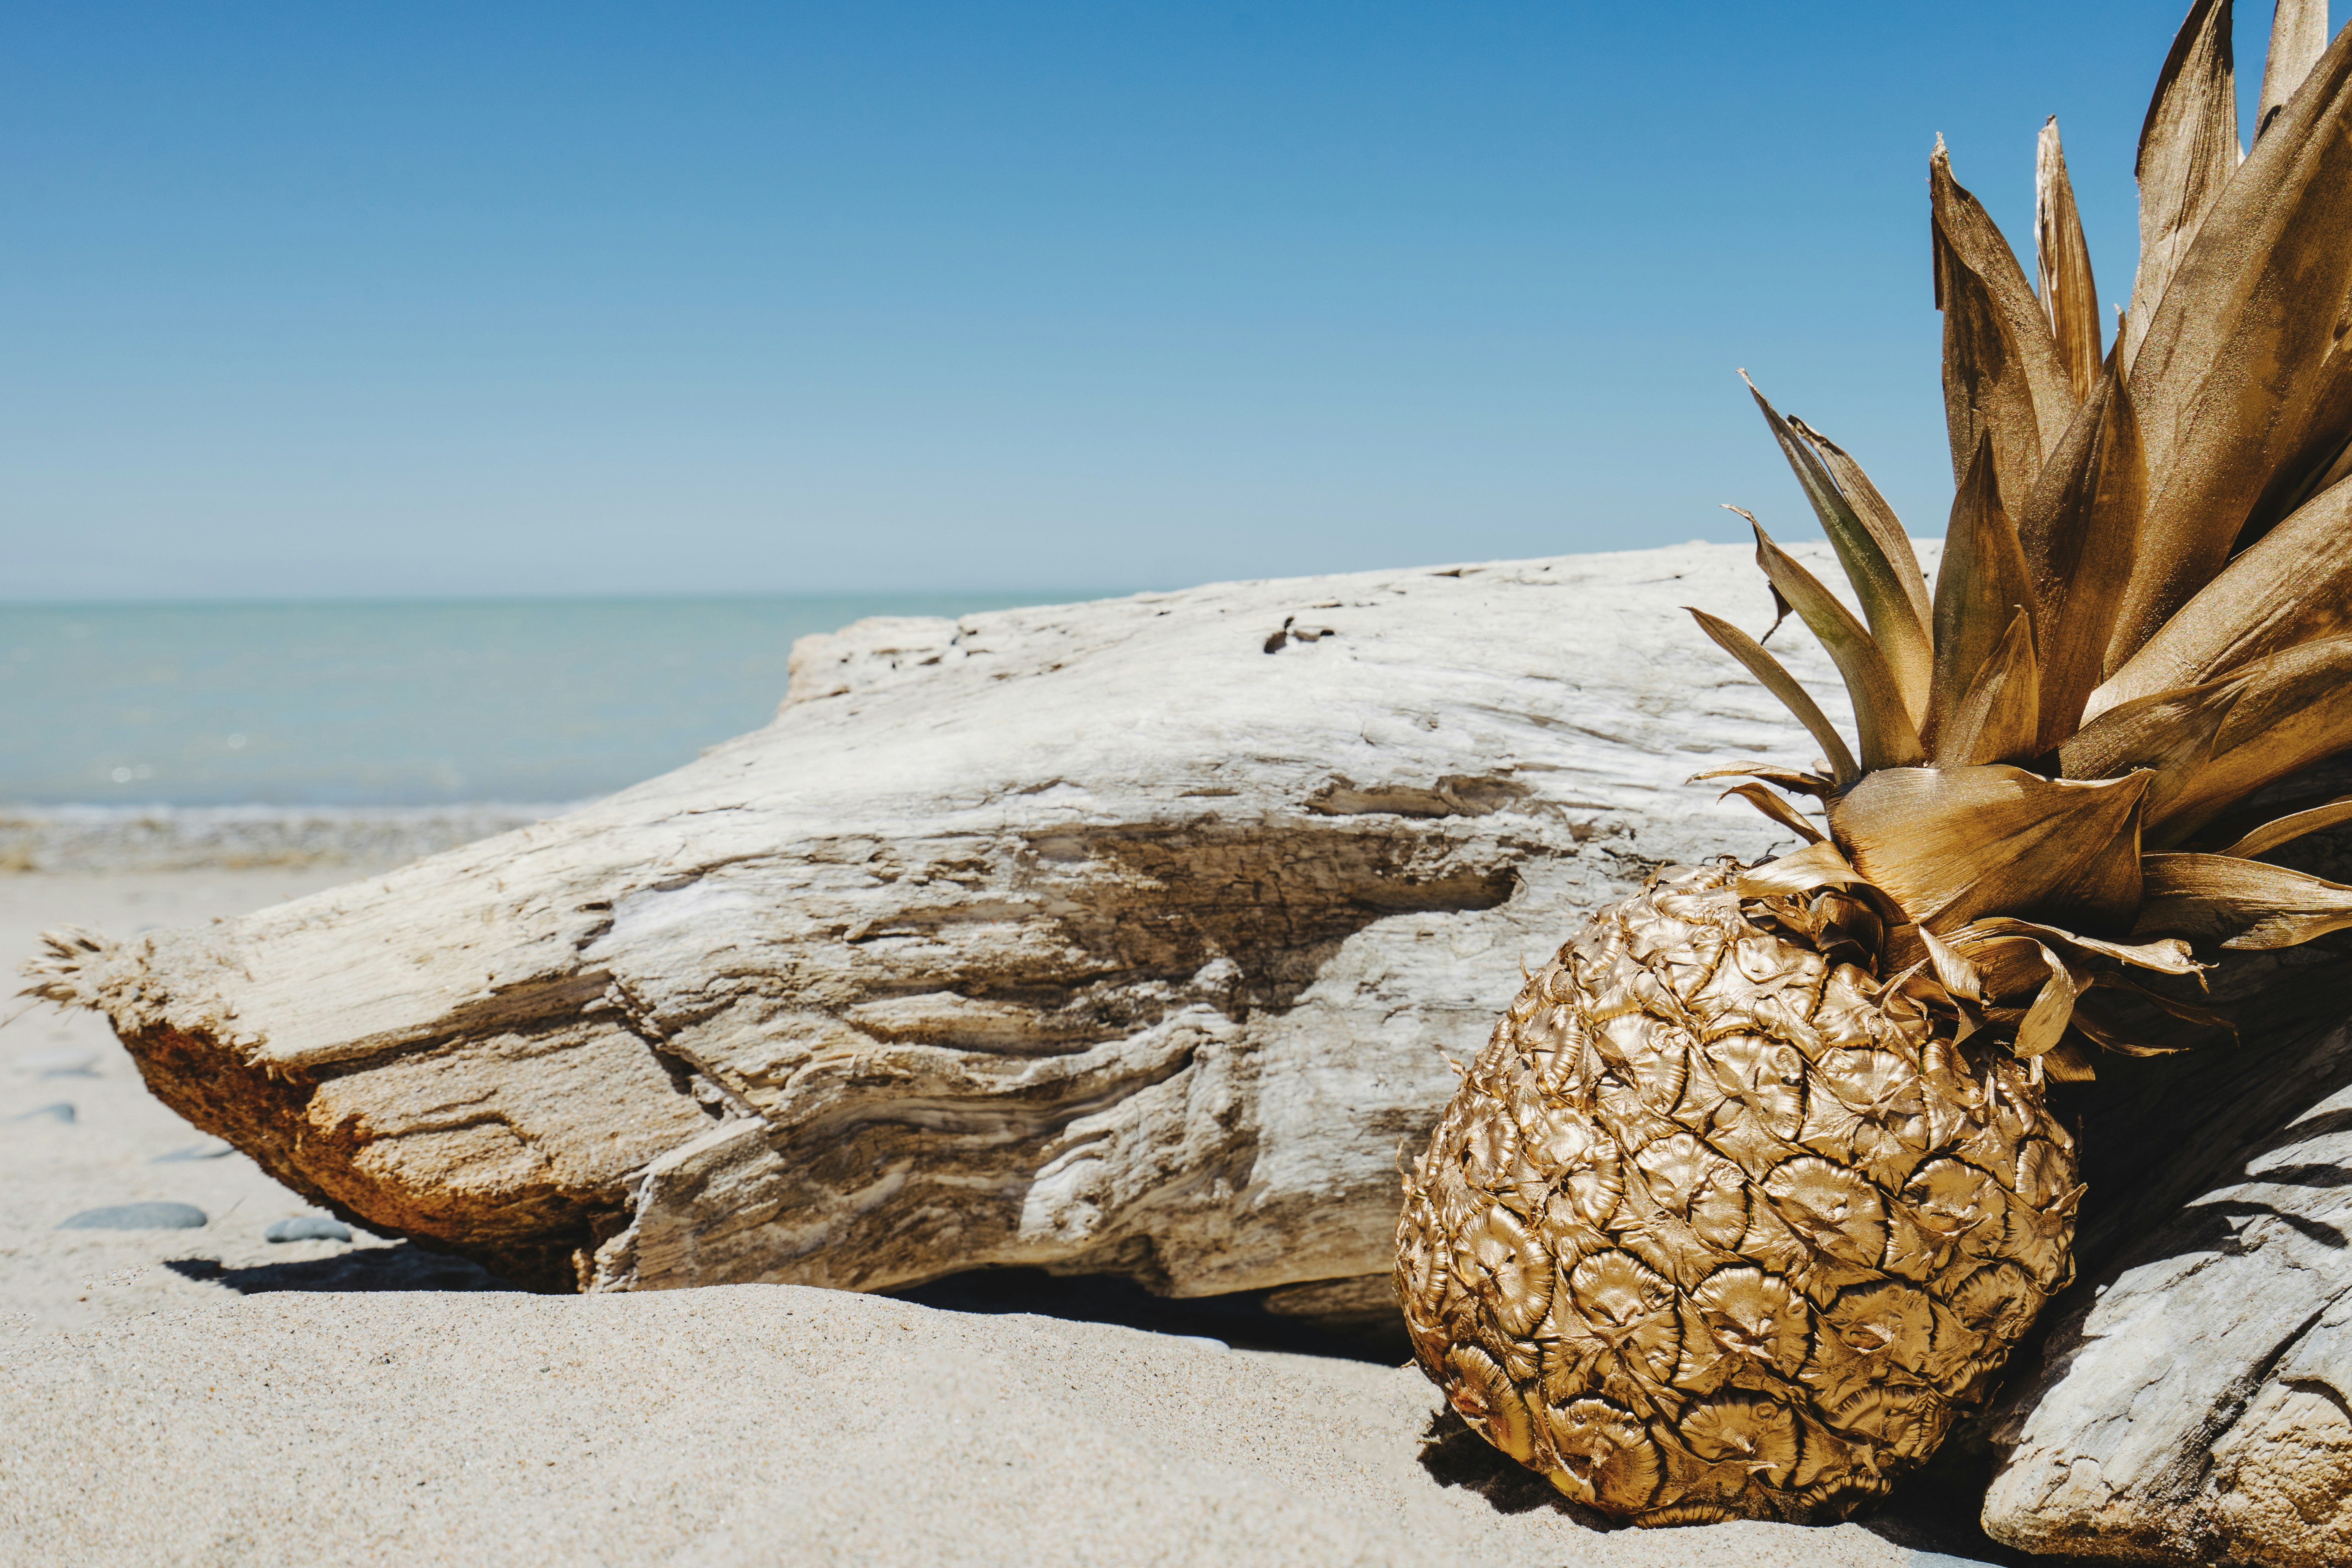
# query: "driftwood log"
[[2191, 1399], [2194, 1404], [1130, 937]]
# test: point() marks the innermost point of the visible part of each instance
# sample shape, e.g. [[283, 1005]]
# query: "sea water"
[[393, 704]]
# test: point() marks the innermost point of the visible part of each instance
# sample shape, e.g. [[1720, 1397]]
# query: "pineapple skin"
[[1709, 1232]]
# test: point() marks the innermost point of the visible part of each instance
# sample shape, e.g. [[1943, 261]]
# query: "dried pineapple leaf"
[[1896, 625], [1997, 721], [2220, 836], [2008, 967], [1777, 680], [2186, 1012], [2292, 585], [2100, 1027], [2294, 825], [1779, 810], [2187, 150], [1819, 865], [2078, 531], [1882, 721], [1954, 845], [1876, 516], [1957, 974], [2238, 903], [2002, 378], [2069, 1061], [2299, 37], [2070, 299], [2166, 956], [1980, 588], [2242, 384], [1815, 867], [2291, 709], [2169, 734], [1790, 779], [2046, 1021]]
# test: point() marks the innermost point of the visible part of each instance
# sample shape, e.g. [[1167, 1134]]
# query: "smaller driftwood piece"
[[1131, 936], [2193, 1400]]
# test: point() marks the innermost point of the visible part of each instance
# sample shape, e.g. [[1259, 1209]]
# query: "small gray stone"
[[139, 1217], [308, 1227], [212, 1150], [62, 1111], [59, 1064]]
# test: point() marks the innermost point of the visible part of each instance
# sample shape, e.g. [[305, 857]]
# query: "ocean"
[[152, 708]]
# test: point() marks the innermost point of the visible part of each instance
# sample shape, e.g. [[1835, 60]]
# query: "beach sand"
[[208, 1397]]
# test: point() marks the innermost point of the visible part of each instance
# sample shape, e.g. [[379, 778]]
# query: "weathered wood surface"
[[2193, 1401], [1129, 936]]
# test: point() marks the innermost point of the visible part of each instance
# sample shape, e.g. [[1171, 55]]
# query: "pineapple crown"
[[2142, 619]]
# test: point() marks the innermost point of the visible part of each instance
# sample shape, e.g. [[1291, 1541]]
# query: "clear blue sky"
[[433, 300]]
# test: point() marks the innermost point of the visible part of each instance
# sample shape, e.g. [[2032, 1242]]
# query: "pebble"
[[308, 1227], [212, 1151], [138, 1217], [59, 1064], [62, 1110]]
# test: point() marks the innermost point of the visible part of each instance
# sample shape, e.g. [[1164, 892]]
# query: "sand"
[[205, 1396]]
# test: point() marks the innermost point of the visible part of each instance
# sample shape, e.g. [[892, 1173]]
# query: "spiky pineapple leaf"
[[2299, 37], [1957, 974], [2211, 746], [2070, 299], [1980, 588], [2165, 956], [1871, 565], [2238, 903], [2293, 585], [1779, 810], [2292, 825], [2241, 385], [1790, 779], [1883, 723], [2291, 709], [2186, 1012], [2071, 1061], [2167, 733], [2010, 966], [2003, 377], [2102, 1030], [2078, 531], [1775, 680], [2187, 150], [1998, 721], [2046, 1021], [1817, 866], [1876, 516], [1952, 846]]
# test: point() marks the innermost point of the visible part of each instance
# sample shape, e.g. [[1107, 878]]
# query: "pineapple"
[[1754, 1187]]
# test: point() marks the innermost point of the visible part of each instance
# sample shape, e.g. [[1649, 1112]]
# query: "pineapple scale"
[[1709, 1232]]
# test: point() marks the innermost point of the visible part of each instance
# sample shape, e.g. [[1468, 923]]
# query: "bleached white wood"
[[2194, 1404], [1130, 935]]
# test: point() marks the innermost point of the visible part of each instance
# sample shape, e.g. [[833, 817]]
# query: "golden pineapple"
[[1753, 1186]]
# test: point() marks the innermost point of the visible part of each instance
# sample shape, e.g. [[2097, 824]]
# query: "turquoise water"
[[393, 703]]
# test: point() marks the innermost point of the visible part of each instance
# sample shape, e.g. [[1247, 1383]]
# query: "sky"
[[430, 300]]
